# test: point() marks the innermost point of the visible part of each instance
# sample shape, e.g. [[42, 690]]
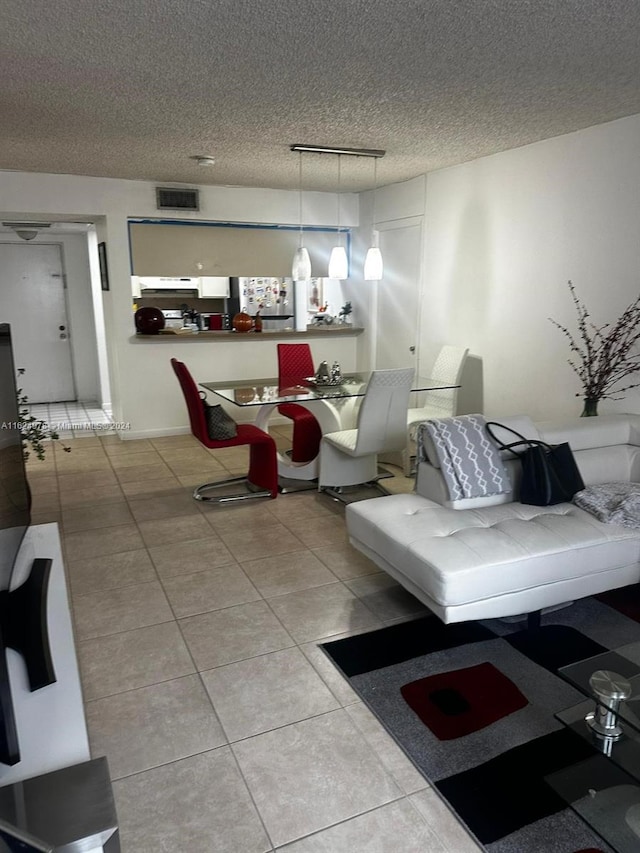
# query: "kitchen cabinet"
[[214, 286]]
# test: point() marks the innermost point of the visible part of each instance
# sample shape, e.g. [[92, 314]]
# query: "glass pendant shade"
[[301, 268], [373, 267], [338, 266]]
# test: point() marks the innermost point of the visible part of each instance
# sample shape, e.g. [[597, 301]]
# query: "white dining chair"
[[350, 457], [437, 403]]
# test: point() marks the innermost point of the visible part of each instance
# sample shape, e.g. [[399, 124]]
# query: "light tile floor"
[[226, 727], [73, 419]]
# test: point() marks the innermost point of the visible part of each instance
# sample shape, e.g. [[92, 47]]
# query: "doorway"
[[32, 284], [398, 299]]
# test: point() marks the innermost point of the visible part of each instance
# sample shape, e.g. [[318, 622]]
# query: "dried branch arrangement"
[[603, 355]]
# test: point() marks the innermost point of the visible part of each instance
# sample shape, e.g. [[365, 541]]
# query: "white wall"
[[75, 261], [110, 202], [503, 236]]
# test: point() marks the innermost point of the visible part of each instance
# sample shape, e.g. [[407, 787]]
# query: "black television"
[[23, 622]]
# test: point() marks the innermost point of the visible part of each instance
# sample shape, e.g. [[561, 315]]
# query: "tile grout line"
[[209, 699]]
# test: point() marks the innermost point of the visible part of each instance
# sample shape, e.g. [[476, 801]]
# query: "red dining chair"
[[262, 478], [294, 365]]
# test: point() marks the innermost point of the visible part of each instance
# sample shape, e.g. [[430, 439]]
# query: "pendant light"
[[301, 268], [338, 262], [373, 267], [338, 265]]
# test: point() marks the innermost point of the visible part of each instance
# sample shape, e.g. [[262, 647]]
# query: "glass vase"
[[590, 407]]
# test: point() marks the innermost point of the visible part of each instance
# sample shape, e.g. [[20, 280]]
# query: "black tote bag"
[[220, 425], [549, 471]]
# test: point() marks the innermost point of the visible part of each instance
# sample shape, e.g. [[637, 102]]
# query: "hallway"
[[74, 419]]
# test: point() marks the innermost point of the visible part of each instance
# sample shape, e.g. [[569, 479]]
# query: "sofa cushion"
[[588, 433], [430, 483], [617, 464], [458, 557], [605, 448], [520, 423]]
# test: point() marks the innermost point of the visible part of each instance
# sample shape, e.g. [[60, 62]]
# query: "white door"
[[33, 301], [398, 295]]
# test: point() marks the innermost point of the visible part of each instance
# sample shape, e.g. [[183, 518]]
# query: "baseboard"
[[162, 432]]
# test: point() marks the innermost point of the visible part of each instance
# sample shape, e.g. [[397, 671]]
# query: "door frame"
[[26, 246], [396, 225]]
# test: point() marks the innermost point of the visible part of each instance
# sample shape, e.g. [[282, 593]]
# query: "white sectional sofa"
[[493, 557]]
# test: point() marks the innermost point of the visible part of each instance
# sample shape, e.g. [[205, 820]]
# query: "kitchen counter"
[[272, 334]]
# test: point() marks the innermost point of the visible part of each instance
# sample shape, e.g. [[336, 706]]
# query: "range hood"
[[169, 285]]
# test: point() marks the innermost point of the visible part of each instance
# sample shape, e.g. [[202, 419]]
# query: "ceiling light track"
[[353, 152]]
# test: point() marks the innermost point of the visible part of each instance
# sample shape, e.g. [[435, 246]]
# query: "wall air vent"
[[172, 198]]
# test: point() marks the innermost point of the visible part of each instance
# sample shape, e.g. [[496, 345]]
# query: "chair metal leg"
[[343, 493], [253, 491], [346, 494], [287, 486]]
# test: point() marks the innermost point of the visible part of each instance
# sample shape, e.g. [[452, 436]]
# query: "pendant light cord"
[[300, 194], [373, 210], [339, 232]]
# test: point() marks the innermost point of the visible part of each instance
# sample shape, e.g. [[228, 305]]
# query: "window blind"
[[169, 249]]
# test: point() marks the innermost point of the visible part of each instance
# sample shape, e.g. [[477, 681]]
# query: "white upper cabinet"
[[214, 285]]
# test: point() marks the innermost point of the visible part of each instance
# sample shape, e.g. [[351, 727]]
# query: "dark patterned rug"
[[473, 706]]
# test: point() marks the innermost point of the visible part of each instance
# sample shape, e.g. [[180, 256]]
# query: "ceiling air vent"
[[170, 198]]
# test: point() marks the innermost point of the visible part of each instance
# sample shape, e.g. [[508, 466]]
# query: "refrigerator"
[[274, 297]]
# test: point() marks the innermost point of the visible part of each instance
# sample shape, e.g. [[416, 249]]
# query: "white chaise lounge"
[[493, 557]]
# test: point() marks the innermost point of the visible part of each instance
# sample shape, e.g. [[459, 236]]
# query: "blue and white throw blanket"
[[470, 462]]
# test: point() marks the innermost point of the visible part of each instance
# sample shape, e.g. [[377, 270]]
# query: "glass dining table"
[[334, 406]]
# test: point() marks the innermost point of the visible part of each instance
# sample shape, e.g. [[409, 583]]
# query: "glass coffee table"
[[605, 788]]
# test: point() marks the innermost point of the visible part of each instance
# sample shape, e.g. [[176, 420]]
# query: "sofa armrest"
[[430, 483]]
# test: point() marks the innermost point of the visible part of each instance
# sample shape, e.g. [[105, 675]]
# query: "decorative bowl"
[[149, 320], [242, 322]]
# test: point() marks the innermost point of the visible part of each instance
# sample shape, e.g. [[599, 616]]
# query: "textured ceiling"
[[134, 88]]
